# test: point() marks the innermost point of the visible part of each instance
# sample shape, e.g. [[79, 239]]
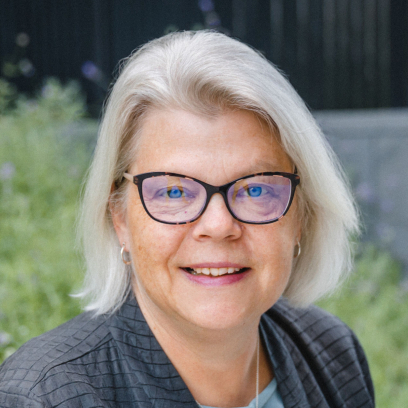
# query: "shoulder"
[[310, 322], [325, 348], [313, 329], [40, 365]]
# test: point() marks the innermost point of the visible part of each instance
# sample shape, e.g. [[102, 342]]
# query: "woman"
[[214, 215]]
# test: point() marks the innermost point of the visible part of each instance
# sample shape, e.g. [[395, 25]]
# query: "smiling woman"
[[163, 255], [214, 215]]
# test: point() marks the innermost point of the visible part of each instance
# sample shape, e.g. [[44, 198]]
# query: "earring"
[[121, 254], [299, 250]]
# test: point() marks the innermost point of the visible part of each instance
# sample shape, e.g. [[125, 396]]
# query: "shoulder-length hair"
[[207, 72]]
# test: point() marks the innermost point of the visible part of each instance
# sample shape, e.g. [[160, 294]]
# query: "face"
[[216, 151]]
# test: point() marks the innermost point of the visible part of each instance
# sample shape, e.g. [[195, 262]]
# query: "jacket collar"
[[161, 381], [287, 377]]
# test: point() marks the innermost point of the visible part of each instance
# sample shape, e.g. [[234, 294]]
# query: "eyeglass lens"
[[255, 199]]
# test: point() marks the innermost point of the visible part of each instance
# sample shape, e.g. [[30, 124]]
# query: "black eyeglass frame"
[[211, 190]]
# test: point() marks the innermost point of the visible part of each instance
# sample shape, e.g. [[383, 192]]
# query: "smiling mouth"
[[215, 272]]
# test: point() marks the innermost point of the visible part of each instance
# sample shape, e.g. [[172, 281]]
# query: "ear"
[[119, 220]]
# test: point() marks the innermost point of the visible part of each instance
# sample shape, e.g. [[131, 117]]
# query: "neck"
[[205, 358]]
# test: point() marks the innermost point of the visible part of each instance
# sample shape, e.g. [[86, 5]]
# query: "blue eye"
[[254, 191], [174, 192]]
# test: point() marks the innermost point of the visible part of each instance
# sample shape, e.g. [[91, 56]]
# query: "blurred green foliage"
[[374, 303], [43, 158], [8, 95], [45, 147]]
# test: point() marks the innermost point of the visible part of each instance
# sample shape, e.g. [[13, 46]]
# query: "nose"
[[216, 222]]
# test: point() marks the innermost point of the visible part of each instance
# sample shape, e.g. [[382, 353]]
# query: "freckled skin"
[[217, 151]]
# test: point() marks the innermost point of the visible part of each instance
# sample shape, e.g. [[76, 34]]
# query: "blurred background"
[[348, 59]]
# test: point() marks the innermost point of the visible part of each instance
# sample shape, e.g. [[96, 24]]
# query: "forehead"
[[232, 144]]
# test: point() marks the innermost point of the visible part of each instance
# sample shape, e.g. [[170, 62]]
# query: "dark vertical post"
[[289, 41], [254, 28], [356, 53], [276, 17], [370, 51], [259, 25], [304, 63], [239, 19], [102, 40], [343, 55], [399, 52], [329, 53], [46, 35], [315, 71], [384, 57]]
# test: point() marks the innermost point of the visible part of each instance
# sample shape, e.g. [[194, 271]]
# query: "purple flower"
[[206, 5], [7, 171], [91, 71], [365, 192]]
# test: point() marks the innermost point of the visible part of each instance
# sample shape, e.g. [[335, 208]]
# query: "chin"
[[222, 316]]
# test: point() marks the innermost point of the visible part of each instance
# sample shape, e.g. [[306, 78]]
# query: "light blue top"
[[268, 398]]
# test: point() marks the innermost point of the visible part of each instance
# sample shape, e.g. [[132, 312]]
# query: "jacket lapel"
[[289, 384], [148, 362]]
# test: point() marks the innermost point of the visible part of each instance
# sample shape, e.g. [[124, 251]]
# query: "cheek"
[[273, 242], [272, 248], [278, 254], [153, 249], [278, 261], [153, 245]]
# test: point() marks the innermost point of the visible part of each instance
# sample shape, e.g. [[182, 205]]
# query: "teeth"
[[214, 271], [223, 271]]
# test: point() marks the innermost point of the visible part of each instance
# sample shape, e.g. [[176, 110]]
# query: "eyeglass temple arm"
[[128, 176]]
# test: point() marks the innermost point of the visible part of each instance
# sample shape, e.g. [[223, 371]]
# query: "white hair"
[[207, 72]]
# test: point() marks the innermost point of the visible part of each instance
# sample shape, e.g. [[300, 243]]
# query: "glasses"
[[260, 198]]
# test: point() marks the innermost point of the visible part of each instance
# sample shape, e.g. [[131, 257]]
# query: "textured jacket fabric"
[[115, 361]]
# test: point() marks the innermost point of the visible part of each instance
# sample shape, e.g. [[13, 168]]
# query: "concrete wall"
[[373, 147]]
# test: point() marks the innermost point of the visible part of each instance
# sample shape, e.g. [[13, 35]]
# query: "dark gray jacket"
[[117, 362]]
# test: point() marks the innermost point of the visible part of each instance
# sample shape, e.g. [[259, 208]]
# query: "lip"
[[222, 280], [216, 265]]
